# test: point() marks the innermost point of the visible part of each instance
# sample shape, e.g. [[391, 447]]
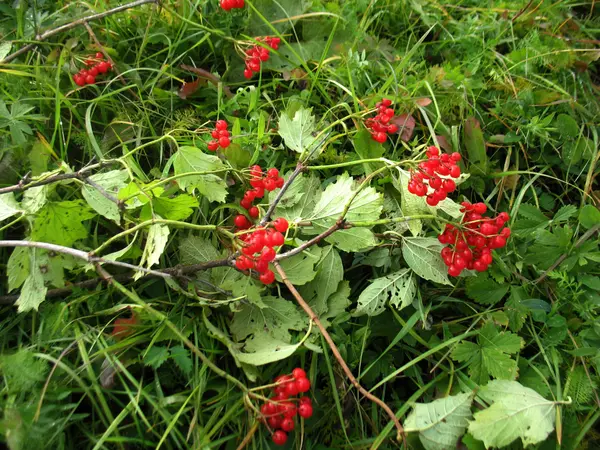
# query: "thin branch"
[[336, 353], [68, 26], [584, 237], [299, 168], [248, 436], [336, 226]]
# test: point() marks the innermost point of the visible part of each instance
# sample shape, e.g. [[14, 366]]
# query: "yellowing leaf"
[[158, 235]]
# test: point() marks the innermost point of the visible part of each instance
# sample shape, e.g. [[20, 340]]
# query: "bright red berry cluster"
[[471, 246], [258, 250], [260, 183], [430, 172], [232, 4], [280, 411], [96, 65], [258, 54], [220, 136], [380, 124]]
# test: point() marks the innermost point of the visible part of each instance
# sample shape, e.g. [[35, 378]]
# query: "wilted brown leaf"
[[406, 126]]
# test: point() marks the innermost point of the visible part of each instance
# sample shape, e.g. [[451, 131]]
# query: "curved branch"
[[307, 309]]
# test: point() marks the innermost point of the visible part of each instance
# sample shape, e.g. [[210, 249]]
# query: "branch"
[[311, 314], [45, 35], [299, 168], [584, 237]]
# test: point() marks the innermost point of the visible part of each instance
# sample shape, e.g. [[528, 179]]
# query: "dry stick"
[[584, 237], [311, 314], [45, 35]]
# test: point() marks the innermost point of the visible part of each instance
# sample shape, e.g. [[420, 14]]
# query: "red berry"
[[380, 137], [240, 264], [486, 258], [305, 400], [221, 125], [261, 267], [454, 271], [504, 216], [241, 221], [93, 71], [215, 134], [256, 182], [291, 389], [287, 424], [253, 212], [479, 208], [432, 200], [79, 80], [224, 141], [289, 410], [305, 410], [213, 146], [497, 242], [246, 204], [302, 384], [270, 184], [272, 172], [268, 277], [277, 239], [448, 185], [480, 266], [250, 195], [281, 224], [455, 171], [248, 74], [433, 151], [256, 171], [505, 232], [259, 192], [268, 254], [223, 133], [280, 437], [275, 423], [279, 182], [488, 229], [90, 79], [99, 55], [298, 373], [103, 67], [392, 128]]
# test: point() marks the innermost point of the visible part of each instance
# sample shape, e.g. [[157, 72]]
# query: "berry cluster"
[[258, 251], [471, 246], [260, 183], [258, 54], [96, 65], [380, 124], [232, 4], [220, 136], [429, 174], [279, 412]]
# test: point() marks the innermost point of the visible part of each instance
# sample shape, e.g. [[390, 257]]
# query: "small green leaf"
[[297, 133], [567, 126], [156, 356], [515, 412], [423, 256], [21, 371], [398, 288], [181, 357], [300, 268], [158, 236], [367, 148], [485, 290], [442, 422], [110, 182], [353, 239], [18, 267], [173, 208], [330, 272], [8, 206], [194, 250], [564, 213], [5, 49], [589, 216]]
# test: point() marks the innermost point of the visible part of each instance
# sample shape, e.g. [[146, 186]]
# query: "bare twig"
[[584, 237], [336, 226], [299, 168], [336, 353], [47, 34], [207, 76], [248, 436]]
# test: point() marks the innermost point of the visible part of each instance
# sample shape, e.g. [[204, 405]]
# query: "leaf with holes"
[[442, 422], [158, 235], [398, 288]]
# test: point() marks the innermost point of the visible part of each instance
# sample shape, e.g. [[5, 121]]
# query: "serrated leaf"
[[191, 159], [564, 213], [330, 271], [111, 182], [158, 236], [8, 206], [410, 204], [531, 212], [181, 357], [423, 256], [35, 198], [441, 423], [485, 290], [300, 268], [353, 239], [17, 267], [306, 202], [515, 412], [61, 222], [398, 288], [33, 292], [156, 356], [297, 132], [367, 204], [22, 370], [194, 250], [172, 208]]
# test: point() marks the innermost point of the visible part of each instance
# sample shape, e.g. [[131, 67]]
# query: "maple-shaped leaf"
[[62, 222], [297, 131], [490, 356]]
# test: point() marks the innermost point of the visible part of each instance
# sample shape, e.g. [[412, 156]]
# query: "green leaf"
[[410, 204], [564, 213], [297, 133], [299, 189], [192, 159], [490, 356], [300, 268], [475, 144], [33, 292], [158, 236], [442, 422], [35, 198], [8, 206], [567, 126], [485, 290], [304, 199], [176, 208], [156, 356], [111, 182], [367, 204], [367, 148], [181, 357], [18, 267], [194, 250], [22, 370], [280, 11], [61, 222], [515, 412], [398, 288], [531, 212], [353, 239], [337, 303], [5, 49], [423, 256], [330, 272], [589, 216]]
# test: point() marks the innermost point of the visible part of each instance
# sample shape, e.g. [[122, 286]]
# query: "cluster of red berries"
[[260, 183], [258, 250], [380, 124], [220, 136], [232, 4], [258, 54], [281, 409], [471, 246], [428, 174], [96, 65]]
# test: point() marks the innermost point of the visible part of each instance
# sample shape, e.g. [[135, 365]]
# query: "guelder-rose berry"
[[268, 277], [305, 410], [298, 373], [281, 224], [280, 437], [302, 384]]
